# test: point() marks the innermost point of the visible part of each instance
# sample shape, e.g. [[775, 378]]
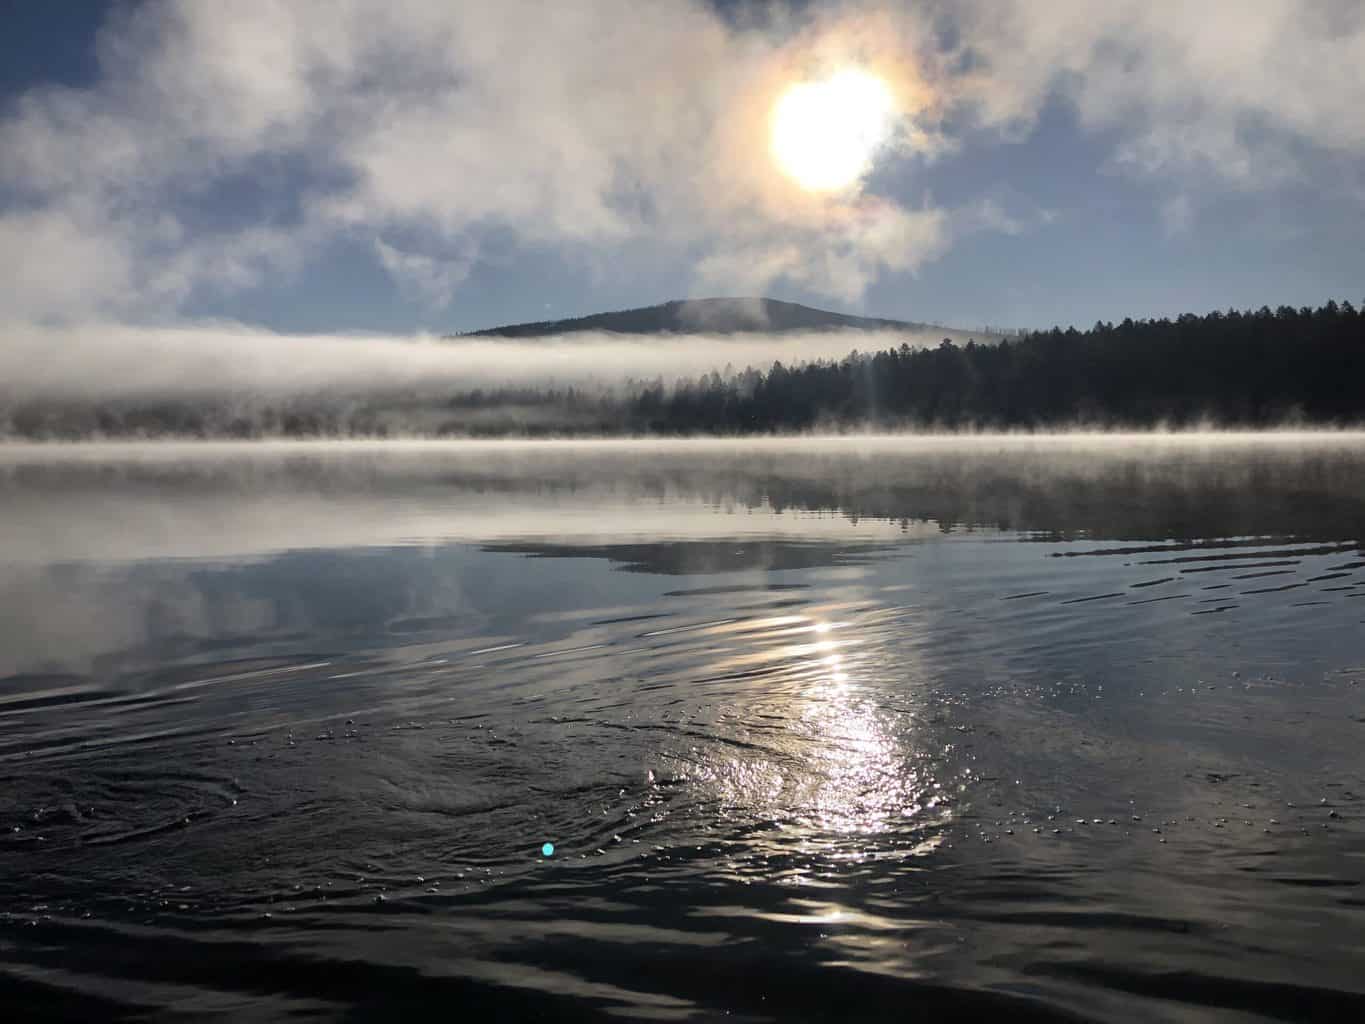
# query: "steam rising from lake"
[[114, 361]]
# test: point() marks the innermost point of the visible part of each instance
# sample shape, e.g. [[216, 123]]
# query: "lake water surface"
[[818, 730]]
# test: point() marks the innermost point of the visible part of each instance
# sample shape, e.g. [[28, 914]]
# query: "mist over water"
[[231, 381], [1002, 725], [1188, 373], [110, 361]]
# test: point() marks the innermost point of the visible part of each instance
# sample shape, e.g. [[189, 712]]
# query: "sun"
[[826, 133]]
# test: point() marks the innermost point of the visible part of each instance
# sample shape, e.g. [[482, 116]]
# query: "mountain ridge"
[[719, 315]]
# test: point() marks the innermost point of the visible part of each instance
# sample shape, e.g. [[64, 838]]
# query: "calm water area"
[[821, 729]]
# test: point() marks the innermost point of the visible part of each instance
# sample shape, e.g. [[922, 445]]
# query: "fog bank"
[[109, 361]]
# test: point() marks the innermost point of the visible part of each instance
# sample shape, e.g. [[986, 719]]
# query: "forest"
[[1242, 369]]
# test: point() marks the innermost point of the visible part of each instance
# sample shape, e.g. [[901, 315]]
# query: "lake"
[[825, 729]]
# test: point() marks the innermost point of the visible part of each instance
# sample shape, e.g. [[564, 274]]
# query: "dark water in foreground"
[[819, 731]]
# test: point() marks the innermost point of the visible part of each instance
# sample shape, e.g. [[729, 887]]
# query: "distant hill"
[[710, 316]]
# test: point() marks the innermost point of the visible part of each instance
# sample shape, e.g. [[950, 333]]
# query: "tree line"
[[1249, 369]]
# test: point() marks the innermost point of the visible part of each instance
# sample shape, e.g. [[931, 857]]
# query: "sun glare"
[[825, 133]]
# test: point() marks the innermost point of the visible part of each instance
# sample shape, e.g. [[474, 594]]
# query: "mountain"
[[707, 316]]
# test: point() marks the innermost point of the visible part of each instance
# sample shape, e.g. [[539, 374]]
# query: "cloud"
[[43, 252], [584, 124], [1177, 213], [594, 128], [602, 125], [427, 278], [855, 248], [1238, 91]]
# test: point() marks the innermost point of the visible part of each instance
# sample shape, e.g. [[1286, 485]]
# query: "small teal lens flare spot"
[[548, 849]]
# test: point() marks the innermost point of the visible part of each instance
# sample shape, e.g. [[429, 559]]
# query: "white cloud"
[[52, 258], [608, 123], [431, 280], [598, 122], [1177, 213], [854, 249], [1226, 89]]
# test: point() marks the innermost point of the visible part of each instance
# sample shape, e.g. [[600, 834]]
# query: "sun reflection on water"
[[832, 768]]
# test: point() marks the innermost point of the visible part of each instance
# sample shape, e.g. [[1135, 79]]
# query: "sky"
[[412, 167]]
